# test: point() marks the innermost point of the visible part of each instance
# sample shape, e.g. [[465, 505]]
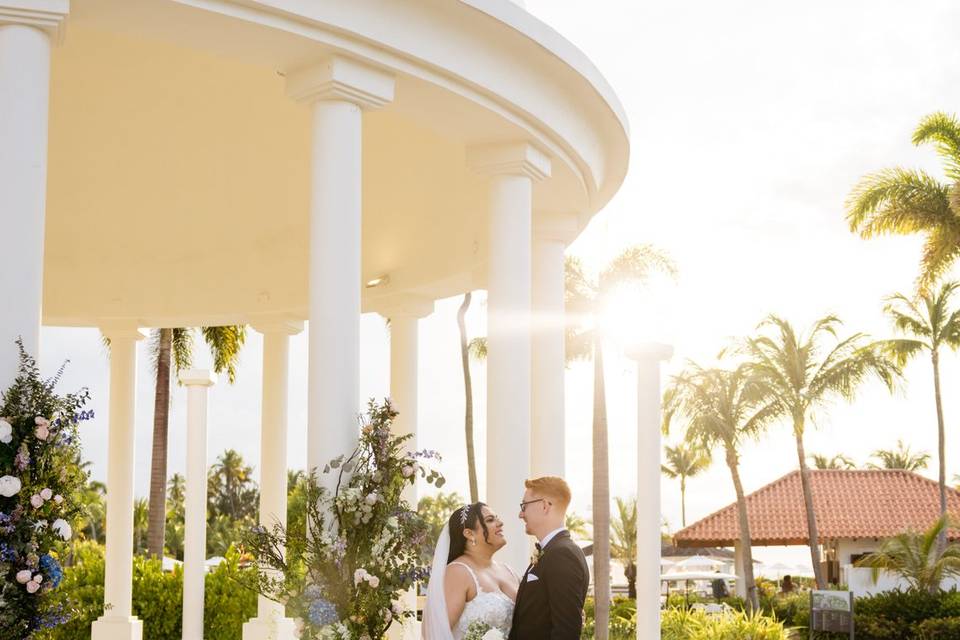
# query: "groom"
[[552, 591]]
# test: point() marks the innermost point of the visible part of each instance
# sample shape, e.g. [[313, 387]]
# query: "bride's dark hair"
[[466, 517]]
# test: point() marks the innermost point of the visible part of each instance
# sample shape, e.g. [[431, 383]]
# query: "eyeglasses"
[[523, 505]]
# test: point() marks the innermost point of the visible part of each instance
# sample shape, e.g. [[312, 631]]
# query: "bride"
[[466, 584]]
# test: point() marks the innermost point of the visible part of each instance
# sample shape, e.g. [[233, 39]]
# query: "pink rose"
[[373, 581], [42, 432], [40, 421], [38, 578], [23, 577], [46, 494], [33, 587], [58, 498], [36, 501]]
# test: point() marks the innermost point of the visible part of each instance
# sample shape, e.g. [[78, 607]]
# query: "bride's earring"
[[473, 541]]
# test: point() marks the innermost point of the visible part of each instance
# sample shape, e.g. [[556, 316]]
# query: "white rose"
[[407, 471], [359, 576], [63, 528], [373, 581], [372, 499], [58, 498], [6, 432], [9, 486], [46, 494]]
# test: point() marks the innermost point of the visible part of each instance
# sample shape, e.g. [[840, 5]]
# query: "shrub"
[[683, 624], [157, 597], [938, 629]]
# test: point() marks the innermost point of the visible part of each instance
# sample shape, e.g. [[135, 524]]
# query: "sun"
[[635, 315]]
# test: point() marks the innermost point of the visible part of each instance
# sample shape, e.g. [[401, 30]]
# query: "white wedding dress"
[[493, 608]]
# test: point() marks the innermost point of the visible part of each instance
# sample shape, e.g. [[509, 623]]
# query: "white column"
[[404, 313], [26, 30], [548, 364], [648, 359], [337, 90], [512, 168], [197, 382], [271, 622], [117, 621]]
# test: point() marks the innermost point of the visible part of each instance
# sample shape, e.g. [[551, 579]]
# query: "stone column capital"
[[197, 378], [46, 15], [122, 331], [650, 352], [511, 158], [276, 324], [339, 78], [404, 306], [555, 227]]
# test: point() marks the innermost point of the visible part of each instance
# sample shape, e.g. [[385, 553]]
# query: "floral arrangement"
[[482, 631], [40, 482], [344, 580]]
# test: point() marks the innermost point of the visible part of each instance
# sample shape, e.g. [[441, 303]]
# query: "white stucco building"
[[171, 163]]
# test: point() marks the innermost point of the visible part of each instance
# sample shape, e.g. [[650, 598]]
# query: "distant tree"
[[900, 458], [577, 526], [468, 395], [684, 461], [623, 541], [839, 461], [141, 510], [436, 511], [174, 530], [94, 519], [231, 491]]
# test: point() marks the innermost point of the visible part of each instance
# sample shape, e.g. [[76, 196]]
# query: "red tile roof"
[[847, 504]]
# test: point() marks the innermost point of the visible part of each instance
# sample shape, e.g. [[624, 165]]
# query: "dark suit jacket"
[[552, 591]]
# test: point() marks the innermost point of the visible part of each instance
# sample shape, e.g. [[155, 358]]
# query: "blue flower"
[[321, 612], [52, 569]]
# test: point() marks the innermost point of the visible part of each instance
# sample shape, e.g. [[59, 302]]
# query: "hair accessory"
[[464, 514]]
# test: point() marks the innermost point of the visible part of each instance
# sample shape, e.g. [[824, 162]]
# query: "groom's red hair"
[[552, 487]]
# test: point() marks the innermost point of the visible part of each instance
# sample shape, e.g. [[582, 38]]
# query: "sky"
[[750, 122]]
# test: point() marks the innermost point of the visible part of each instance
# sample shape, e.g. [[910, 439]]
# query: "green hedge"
[[157, 597]]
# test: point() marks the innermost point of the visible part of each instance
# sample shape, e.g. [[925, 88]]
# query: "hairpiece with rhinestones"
[[464, 514]]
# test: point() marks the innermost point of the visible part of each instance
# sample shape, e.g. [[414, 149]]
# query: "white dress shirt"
[[550, 536]]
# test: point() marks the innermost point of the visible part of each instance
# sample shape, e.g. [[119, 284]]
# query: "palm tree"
[[140, 511], [917, 558], [906, 201], [586, 298], [798, 376], [577, 525], [468, 396], [231, 491], [723, 408], [928, 327], [175, 346], [623, 544], [900, 458], [684, 461], [838, 461]]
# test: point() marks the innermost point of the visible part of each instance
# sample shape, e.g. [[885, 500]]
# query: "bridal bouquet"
[[40, 483], [343, 579], [482, 631]]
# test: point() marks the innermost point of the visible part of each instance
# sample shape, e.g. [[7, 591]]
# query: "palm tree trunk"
[[468, 396], [812, 532], [942, 451], [158, 465], [601, 500], [753, 602], [683, 502]]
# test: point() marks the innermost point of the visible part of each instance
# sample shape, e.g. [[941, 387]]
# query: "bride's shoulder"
[[458, 571]]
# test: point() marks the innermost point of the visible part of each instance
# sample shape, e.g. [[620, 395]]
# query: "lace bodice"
[[494, 608]]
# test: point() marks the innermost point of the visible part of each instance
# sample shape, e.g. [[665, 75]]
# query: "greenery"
[[907, 201], [41, 491], [800, 372], [900, 458], [435, 511], [684, 461], [692, 624], [157, 597], [839, 461], [917, 558], [364, 549]]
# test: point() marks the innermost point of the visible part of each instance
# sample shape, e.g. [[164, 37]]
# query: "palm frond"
[[636, 264], [181, 349], [943, 130], [225, 344], [897, 201]]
